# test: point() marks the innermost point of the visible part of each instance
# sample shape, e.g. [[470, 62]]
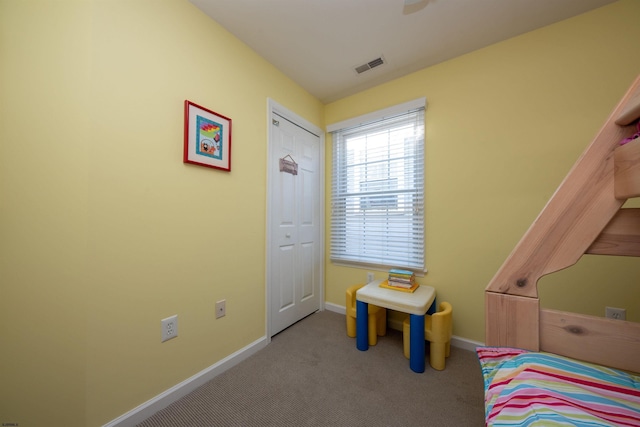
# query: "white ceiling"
[[318, 43]]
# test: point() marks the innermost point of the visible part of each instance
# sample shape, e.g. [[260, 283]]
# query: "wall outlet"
[[169, 328], [221, 308], [370, 277], [615, 313]]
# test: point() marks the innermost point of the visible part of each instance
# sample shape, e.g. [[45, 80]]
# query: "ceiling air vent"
[[369, 65]]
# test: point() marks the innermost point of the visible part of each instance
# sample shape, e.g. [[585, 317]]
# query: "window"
[[377, 200]]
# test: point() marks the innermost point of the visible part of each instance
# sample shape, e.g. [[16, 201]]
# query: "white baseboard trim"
[[465, 343], [459, 342], [166, 398], [340, 309]]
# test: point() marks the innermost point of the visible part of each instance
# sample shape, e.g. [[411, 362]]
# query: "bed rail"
[[593, 339]]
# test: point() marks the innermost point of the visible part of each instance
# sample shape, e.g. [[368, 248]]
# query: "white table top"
[[416, 302]]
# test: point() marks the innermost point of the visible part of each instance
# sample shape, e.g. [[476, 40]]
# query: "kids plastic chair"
[[438, 329], [377, 317]]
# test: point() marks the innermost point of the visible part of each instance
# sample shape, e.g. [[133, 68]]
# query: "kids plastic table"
[[416, 303]]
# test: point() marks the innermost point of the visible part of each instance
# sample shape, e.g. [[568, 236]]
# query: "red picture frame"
[[207, 137]]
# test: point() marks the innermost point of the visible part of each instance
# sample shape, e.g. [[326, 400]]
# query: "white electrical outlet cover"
[[221, 309], [169, 328], [616, 313]]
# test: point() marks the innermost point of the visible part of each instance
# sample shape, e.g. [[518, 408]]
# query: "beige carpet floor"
[[311, 374]]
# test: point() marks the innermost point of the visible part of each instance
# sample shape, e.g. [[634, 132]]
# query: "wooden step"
[[631, 110], [627, 170], [621, 236]]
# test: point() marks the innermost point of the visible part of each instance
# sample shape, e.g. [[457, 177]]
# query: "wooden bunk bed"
[[584, 216]]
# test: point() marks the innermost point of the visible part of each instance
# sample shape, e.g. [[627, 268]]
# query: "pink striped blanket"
[[525, 388]]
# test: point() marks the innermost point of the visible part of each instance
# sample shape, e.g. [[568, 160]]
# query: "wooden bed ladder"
[[583, 216]]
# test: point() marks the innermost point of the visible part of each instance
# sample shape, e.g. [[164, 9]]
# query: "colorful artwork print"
[[209, 138]]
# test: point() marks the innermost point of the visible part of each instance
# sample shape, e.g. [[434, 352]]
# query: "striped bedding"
[[525, 388]]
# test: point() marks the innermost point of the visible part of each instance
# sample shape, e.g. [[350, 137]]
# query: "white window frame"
[[377, 196]]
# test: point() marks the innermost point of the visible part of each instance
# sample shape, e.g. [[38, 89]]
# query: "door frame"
[[274, 107]]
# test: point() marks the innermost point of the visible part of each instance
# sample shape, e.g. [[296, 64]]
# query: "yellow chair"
[[377, 317], [438, 329]]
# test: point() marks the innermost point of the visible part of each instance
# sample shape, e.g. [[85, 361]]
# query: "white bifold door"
[[295, 237]]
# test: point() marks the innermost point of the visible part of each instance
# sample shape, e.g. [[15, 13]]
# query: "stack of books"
[[402, 280]]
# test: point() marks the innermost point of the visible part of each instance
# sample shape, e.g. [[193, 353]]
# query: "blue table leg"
[[362, 325], [416, 343], [432, 308]]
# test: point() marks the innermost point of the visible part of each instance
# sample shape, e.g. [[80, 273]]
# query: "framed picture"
[[207, 137]]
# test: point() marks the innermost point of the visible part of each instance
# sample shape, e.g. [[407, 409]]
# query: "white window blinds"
[[377, 201]]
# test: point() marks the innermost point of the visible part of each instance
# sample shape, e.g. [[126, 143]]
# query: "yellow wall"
[[104, 231], [44, 79], [503, 127]]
